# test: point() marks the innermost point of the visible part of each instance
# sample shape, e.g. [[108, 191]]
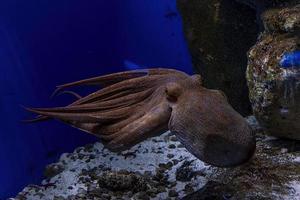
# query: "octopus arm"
[[131, 108], [111, 79]]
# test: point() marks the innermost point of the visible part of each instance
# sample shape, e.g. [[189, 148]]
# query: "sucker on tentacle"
[[135, 105]]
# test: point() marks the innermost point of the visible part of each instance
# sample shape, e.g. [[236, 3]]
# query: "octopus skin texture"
[[134, 105]]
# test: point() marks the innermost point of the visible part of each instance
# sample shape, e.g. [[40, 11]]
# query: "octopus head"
[[209, 127]]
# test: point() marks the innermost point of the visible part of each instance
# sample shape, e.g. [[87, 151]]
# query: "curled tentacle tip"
[[34, 110], [68, 92], [56, 92], [37, 119], [26, 108]]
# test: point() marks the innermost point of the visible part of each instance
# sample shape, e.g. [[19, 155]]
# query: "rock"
[[58, 198], [188, 188], [152, 176], [53, 169], [173, 193], [138, 173], [142, 196], [266, 3], [274, 89], [120, 181], [105, 196], [219, 34], [252, 121], [184, 173], [212, 190], [269, 175], [261, 6], [282, 20], [284, 150]]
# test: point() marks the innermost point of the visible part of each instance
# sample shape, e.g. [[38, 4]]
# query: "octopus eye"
[[173, 91]]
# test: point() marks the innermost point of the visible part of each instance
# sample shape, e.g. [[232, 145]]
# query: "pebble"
[[188, 188], [284, 150], [173, 193], [170, 156]]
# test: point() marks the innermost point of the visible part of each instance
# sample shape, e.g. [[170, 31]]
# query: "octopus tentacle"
[[94, 112], [82, 116], [137, 112], [139, 104], [104, 80], [150, 124], [68, 92], [123, 101], [111, 128], [111, 79], [131, 106], [39, 118], [101, 107], [132, 86]]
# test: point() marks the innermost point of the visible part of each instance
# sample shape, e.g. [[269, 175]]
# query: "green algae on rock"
[[274, 95]]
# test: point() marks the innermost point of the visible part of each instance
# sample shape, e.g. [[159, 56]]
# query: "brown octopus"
[[135, 105]]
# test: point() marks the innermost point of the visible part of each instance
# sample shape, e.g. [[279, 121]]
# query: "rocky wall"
[[219, 33]]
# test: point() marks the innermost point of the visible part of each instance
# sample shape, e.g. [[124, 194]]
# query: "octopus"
[[134, 105]]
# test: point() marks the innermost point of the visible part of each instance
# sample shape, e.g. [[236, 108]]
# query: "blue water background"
[[47, 43]]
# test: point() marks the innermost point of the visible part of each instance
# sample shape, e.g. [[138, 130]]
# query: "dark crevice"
[[219, 34]]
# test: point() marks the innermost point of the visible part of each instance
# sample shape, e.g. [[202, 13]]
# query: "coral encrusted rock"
[[273, 73]]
